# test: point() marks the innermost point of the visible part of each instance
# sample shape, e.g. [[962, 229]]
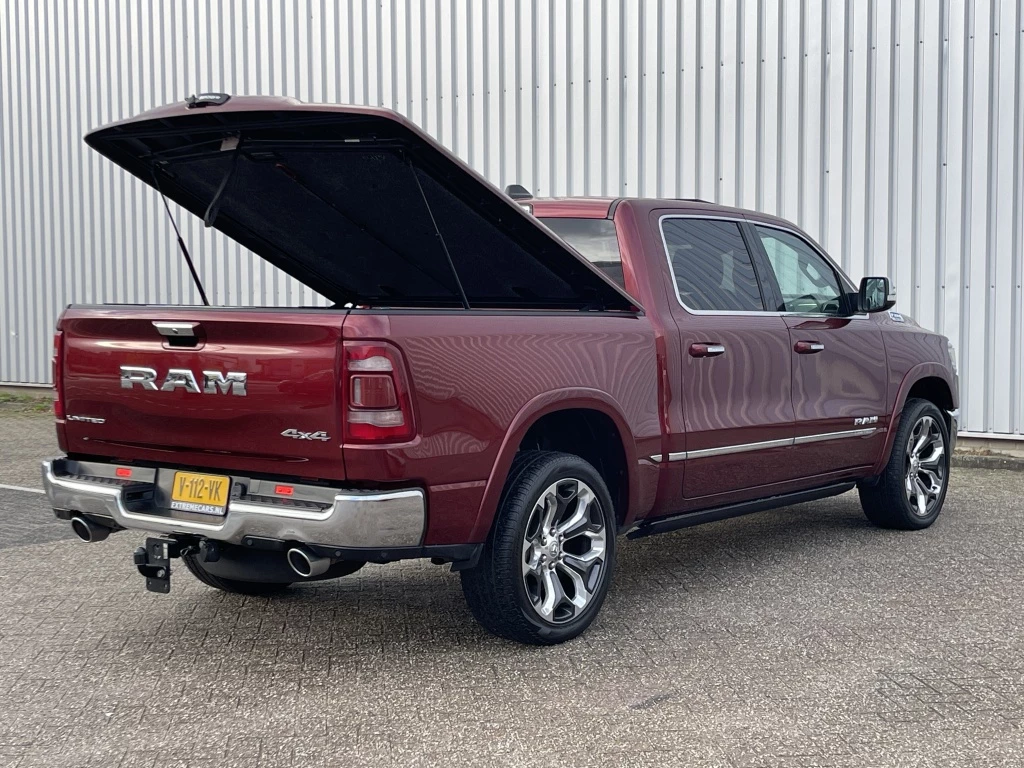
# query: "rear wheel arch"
[[546, 566], [535, 425], [593, 436]]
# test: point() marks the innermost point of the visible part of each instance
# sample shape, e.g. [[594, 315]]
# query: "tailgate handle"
[[175, 329]]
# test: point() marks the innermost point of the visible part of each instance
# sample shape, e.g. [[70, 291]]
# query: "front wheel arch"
[[887, 498], [927, 381]]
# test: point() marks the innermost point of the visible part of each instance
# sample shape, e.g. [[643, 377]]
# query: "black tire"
[[885, 499], [234, 586], [498, 590]]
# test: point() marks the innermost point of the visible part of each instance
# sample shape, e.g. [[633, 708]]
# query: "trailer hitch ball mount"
[[154, 559]]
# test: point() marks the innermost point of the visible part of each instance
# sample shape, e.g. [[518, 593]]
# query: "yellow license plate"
[[206, 494]]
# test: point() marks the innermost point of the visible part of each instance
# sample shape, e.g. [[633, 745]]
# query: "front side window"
[[806, 281], [711, 266]]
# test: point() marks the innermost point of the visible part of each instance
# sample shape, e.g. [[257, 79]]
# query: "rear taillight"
[[377, 406], [58, 375]]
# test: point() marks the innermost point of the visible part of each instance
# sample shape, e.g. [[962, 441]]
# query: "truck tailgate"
[[251, 389]]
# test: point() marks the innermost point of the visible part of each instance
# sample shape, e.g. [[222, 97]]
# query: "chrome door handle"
[[808, 347], [705, 349]]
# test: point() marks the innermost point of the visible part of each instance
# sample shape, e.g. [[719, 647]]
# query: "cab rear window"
[[593, 238]]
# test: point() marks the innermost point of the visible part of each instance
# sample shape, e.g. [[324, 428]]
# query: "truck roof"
[[604, 207]]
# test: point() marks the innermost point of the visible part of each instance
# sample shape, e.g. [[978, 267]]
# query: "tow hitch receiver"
[[154, 562]]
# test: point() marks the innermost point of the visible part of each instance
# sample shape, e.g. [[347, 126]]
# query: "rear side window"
[[711, 266], [593, 238]]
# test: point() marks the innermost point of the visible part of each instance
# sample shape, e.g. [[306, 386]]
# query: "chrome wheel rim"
[[563, 557], [926, 469]]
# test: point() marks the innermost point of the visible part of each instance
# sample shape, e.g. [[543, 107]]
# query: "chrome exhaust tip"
[[88, 531], [306, 564]]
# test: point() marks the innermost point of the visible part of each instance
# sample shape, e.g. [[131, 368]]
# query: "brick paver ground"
[[25, 440], [801, 637]]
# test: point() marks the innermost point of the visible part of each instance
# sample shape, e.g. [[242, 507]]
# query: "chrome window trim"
[[672, 273], [843, 279], [784, 442]]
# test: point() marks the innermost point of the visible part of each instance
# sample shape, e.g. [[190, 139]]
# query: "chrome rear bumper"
[[327, 516]]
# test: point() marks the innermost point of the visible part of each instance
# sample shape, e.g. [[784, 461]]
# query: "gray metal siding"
[[892, 131]]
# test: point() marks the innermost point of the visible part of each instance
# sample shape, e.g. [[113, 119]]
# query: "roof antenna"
[[518, 192], [440, 237], [181, 242]]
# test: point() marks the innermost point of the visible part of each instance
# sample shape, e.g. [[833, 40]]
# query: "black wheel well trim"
[[928, 380], [935, 389], [608, 457]]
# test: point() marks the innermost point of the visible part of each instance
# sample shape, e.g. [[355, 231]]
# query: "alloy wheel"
[[564, 551], [926, 467]]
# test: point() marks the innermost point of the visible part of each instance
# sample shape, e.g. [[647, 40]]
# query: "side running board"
[[675, 522]]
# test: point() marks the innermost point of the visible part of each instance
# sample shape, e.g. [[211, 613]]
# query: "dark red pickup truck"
[[502, 385]]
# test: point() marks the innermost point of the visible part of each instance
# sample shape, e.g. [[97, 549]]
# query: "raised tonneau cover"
[[356, 202]]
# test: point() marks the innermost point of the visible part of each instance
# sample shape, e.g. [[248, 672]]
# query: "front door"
[[839, 367], [737, 372]]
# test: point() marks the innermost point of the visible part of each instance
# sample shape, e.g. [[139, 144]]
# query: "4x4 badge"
[[300, 435]]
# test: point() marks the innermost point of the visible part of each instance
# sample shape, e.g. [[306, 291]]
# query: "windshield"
[[593, 238]]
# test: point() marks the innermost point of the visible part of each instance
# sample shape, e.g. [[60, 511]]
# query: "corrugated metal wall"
[[892, 131]]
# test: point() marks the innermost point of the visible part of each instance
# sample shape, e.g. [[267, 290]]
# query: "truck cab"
[[778, 380]]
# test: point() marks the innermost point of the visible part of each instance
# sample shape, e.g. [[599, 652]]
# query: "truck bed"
[[473, 376]]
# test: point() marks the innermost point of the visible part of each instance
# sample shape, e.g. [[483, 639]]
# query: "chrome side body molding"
[[764, 445]]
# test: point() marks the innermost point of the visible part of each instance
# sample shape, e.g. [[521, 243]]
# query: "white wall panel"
[[892, 131]]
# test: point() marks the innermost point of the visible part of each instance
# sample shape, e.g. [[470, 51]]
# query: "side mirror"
[[876, 294]]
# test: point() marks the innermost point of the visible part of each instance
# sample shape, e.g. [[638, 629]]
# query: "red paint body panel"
[[831, 388], [480, 379], [913, 354], [740, 397], [289, 357]]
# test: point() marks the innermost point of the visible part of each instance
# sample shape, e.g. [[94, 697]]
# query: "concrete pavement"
[[800, 637]]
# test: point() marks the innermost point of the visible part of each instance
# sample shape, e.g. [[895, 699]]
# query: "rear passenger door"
[[839, 367], [737, 369]]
